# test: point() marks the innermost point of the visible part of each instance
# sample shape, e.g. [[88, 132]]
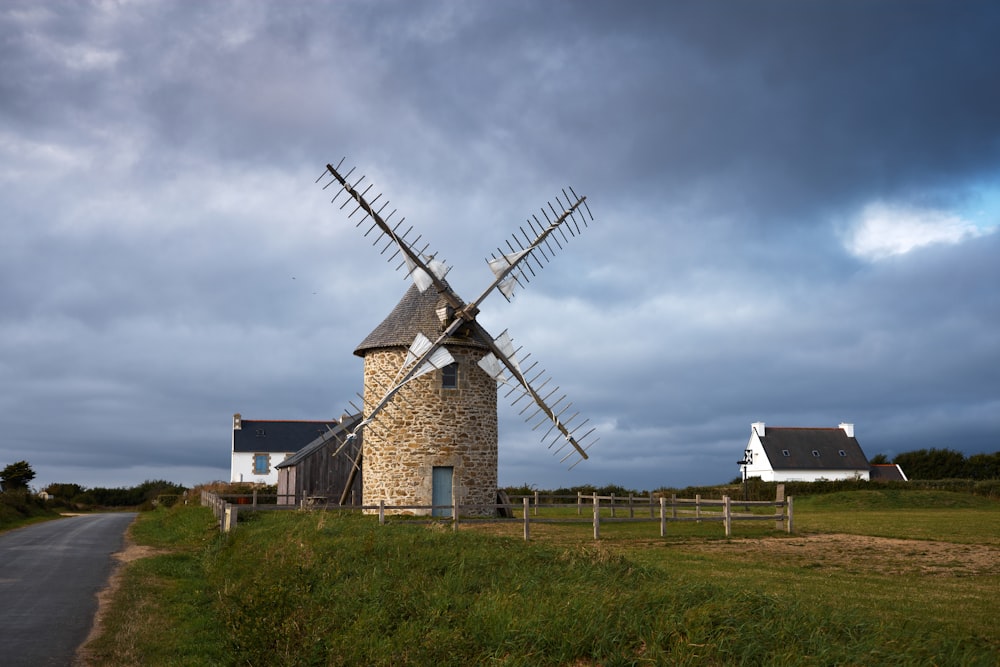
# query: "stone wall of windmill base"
[[427, 426]]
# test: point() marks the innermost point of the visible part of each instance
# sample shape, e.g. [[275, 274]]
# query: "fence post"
[[381, 512], [579, 503], [779, 499], [673, 505], [612, 505], [255, 496], [789, 508], [536, 503], [527, 519], [728, 516], [663, 516], [597, 517], [631, 510], [697, 507], [651, 515], [229, 518]]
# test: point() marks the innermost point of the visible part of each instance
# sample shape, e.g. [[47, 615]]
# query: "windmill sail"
[[564, 429], [499, 268], [438, 359], [423, 268], [515, 267], [420, 277]]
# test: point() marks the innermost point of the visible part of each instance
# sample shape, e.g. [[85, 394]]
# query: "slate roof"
[[415, 312], [338, 431], [257, 435], [836, 451], [886, 471]]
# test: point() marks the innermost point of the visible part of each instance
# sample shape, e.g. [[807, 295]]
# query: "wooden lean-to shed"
[[314, 475]]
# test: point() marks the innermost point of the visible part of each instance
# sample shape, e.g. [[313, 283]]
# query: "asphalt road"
[[50, 574]]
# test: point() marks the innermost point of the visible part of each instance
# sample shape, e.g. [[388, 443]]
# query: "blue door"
[[441, 477]]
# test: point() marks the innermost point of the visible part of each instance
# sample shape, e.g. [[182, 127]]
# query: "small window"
[[261, 433], [261, 464], [816, 453], [843, 453], [449, 376], [785, 452]]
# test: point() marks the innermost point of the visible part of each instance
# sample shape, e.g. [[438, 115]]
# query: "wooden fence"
[[601, 510]]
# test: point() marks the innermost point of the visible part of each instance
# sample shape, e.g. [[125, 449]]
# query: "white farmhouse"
[[783, 454], [259, 445]]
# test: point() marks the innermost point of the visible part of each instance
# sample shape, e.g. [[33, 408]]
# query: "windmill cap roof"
[[415, 313]]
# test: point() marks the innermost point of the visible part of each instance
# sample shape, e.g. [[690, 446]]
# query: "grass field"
[[867, 578]]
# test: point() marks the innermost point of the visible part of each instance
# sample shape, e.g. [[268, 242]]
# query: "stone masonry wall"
[[426, 426]]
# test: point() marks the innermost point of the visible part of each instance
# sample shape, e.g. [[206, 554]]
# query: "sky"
[[796, 210]]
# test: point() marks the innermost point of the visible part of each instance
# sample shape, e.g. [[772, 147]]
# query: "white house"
[[783, 454], [258, 446]]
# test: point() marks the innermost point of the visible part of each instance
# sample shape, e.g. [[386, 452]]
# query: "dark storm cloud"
[[167, 261]]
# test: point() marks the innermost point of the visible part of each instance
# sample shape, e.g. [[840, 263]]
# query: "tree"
[[932, 464], [17, 475], [983, 466]]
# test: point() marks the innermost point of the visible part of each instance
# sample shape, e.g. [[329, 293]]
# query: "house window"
[[261, 464], [261, 433], [785, 452], [816, 453], [843, 453], [449, 376]]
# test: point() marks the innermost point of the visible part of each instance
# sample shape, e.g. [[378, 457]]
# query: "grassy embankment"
[[20, 508], [320, 588]]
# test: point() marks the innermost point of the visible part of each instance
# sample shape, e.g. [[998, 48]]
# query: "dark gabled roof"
[[836, 451], [415, 313], [338, 432], [256, 435], [887, 472]]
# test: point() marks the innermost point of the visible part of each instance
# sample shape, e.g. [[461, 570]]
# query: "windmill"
[[429, 418]]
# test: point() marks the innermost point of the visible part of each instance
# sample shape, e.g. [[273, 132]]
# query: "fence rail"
[[696, 509]]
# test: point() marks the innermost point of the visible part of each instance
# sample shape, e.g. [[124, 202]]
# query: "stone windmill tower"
[[440, 438], [432, 371]]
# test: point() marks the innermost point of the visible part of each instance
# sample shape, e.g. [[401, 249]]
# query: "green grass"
[[924, 515], [324, 588]]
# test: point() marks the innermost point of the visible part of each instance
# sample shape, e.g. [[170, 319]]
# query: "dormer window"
[[261, 433], [843, 453], [785, 452], [816, 453], [449, 376]]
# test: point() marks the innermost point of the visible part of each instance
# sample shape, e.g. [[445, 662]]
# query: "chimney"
[[758, 427], [848, 429], [237, 421]]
